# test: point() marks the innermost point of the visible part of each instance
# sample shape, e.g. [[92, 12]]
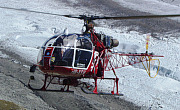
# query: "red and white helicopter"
[[88, 55], [69, 57]]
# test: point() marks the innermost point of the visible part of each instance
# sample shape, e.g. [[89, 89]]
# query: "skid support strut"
[[44, 86], [95, 89], [115, 83]]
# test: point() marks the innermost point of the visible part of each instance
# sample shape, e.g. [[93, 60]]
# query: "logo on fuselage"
[[75, 71]]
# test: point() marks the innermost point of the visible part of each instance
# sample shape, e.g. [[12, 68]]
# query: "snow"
[[145, 89], [23, 33], [161, 7], [3, 55], [152, 6]]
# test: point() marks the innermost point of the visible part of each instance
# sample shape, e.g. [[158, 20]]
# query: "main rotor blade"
[[26, 10], [124, 17], [139, 17], [95, 17]]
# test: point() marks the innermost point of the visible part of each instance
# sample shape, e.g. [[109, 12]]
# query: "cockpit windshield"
[[71, 51], [84, 44], [67, 41]]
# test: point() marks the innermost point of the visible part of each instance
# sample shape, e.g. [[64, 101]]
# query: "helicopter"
[[70, 57]]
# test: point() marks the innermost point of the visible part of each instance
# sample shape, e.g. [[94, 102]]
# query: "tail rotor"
[[150, 63]]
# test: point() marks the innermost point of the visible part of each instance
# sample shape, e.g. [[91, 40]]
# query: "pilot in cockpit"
[[58, 52]]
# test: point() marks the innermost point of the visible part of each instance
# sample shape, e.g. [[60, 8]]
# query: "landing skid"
[[67, 82], [48, 90], [98, 93]]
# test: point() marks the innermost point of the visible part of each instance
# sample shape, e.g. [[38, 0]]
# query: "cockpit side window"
[[82, 58]]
